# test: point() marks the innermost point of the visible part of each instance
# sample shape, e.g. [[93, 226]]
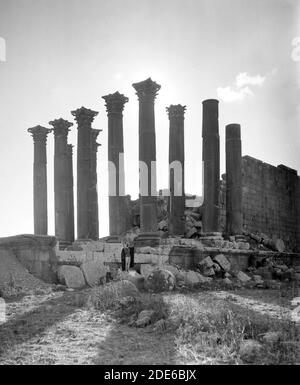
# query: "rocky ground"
[[194, 326]]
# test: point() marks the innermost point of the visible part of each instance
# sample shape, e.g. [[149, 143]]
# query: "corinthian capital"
[[176, 111], [84, 116], [60, 127], [146, 90], [114, 103], [39, 133]]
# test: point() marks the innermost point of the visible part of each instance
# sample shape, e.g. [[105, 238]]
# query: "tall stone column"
[[61, 179], [211, 165], [71, 231], [176, 169], [40, 208], [146, 92], [94, 189], [234, 219], [117, 210], [84, 118]]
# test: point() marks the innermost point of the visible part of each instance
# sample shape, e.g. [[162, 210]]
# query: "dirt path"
[[56, 329]]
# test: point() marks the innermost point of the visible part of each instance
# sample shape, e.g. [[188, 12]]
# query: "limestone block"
[[94, 272], [71, 276], [69, 257], [147, 269], [160, 280], [243, 277], [223, 262]]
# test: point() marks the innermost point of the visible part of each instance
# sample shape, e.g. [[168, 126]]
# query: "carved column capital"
[[176, 111], [60, 127], [39, 133], [84, 115], [146, 90], [114, 104]]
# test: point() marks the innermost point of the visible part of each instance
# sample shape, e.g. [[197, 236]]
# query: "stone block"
[[223, 262], [94, 272], [71, 276]]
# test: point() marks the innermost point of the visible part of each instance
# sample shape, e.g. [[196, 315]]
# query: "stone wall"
[[37, 253], [271, 201]]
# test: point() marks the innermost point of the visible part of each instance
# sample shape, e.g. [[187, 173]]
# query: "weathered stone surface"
[[295, 314], [223, 262], [192, 231], [94, 272], [173, 269], [272, 337], [207, 262], [144, 318], [250, 351], [227, 281], [295, 301], [147, 269], [243, 277], [192, 278], [209, 272], [71, 276], [137, 279], [160, 280]]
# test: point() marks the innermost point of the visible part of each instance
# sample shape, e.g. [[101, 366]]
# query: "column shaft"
[[84, 118], [61, 179], [176, 170], [71, 232], [234, 219], [118, 215], [40, 209], [94, 233], [147, 91], [211, 165]]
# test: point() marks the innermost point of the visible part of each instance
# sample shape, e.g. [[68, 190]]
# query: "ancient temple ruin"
[[252, 202]]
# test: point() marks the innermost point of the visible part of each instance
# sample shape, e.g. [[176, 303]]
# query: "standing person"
[[125, 257]]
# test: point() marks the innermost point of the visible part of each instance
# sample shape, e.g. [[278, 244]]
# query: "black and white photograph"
[[150, 185]]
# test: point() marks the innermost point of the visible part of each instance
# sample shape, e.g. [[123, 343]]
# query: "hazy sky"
[[64, 54]]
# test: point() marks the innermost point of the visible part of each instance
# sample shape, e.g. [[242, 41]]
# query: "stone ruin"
[[252, 214]]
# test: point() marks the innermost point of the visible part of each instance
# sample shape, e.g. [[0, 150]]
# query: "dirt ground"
[[58, 328]]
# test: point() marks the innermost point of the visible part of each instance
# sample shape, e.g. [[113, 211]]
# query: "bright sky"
[[63, 54]]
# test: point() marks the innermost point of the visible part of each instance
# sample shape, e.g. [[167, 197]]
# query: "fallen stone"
[[227, 281], [147, 269], [209, 272], [163, 225], [264, 272], [173, 269], [160, 280], [160, 326], [295, 314], [217, 268], [137, 279], [223, 262], [94, 272], [191, 232], [257, 278], [272, 337], [295, 301], [242, 277], [250, 350], [144, 318], [71, 276], [206, 262], [227, 275]]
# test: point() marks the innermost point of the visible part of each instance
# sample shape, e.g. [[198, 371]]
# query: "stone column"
[[146, 92], [211, 165], [71, 232], [61, 179], [117, 210], [84, 118], [176, 169], [234, 219], [94, 189], [40, 210]]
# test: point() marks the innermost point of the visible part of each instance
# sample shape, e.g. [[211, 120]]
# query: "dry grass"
[[211, 331]]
